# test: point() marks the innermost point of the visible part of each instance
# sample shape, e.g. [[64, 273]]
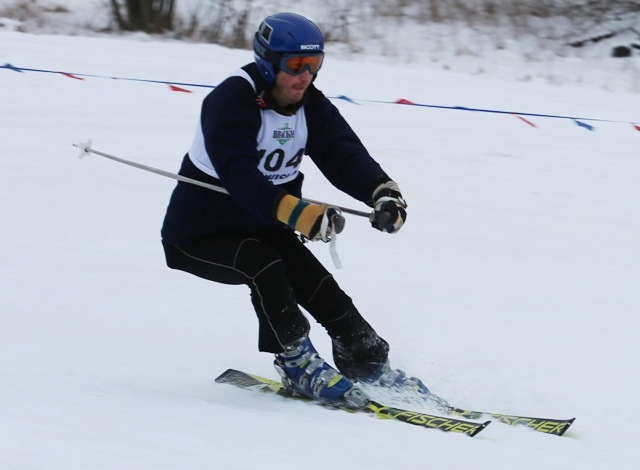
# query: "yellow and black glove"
[[314, 221]]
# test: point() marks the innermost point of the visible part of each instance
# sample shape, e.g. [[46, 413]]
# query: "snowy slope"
[[513, 287]]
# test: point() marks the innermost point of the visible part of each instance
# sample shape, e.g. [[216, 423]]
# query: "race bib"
[[281, 144]]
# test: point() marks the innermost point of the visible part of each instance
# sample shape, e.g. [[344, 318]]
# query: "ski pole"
[[85, 149]]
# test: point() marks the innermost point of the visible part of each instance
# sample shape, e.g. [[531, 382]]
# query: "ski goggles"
[[297, 64]]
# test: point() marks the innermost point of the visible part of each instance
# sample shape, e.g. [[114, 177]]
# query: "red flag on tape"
[[70, 75], [525, 120], [177, 88]]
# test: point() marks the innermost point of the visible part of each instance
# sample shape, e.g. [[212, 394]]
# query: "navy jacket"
[[230, 119]]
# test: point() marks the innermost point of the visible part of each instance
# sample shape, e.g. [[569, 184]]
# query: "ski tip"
[[566, 427], [480, 428]]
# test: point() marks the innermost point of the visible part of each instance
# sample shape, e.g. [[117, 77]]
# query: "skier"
[[253, 131]]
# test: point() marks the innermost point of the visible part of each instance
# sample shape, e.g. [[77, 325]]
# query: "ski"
[[556, 427], [443, 423]]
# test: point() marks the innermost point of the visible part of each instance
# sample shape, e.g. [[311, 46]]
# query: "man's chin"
[[296, 97]]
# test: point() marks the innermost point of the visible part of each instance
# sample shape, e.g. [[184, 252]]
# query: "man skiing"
[[253, 131]]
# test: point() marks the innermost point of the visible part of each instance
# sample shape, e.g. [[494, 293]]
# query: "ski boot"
[[397, 380], [305, 373]]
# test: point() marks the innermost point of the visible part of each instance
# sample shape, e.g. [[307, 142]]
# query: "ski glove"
[[314, 221], [389, 208]]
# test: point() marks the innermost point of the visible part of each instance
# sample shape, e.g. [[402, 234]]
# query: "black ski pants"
[[281, 274]]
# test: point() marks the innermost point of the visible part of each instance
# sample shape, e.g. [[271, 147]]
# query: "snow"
[[513, 286]]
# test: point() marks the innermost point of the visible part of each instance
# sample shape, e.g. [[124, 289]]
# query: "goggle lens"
[[298, 64]]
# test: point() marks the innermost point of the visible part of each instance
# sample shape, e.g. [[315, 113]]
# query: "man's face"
[[289, 89]]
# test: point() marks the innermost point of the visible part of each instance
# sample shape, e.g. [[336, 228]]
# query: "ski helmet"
[[283, 35]]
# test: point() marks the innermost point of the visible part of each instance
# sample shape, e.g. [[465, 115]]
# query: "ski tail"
[[249, 382]]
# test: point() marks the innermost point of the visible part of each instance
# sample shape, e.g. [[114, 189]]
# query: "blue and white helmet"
[[280, 34]]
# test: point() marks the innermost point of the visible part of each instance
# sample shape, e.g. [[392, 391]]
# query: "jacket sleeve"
[[230, 121], [338, 152]]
